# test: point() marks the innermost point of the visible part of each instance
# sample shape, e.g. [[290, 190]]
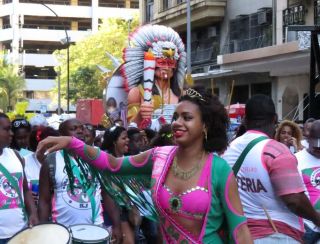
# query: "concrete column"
[[281, 5], [14, 20], [94, 15], [142, 11], [74, 2], [74, 25], [127, 4], [156, 9]]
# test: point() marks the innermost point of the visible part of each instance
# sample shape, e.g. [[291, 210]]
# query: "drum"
[[89, 234], [42, 234]]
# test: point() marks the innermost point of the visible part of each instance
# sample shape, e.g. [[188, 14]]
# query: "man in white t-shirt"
[[269, 184], [72, 205], [309, 167]]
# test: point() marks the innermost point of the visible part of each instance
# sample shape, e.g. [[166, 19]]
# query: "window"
[[167, 4], [317, 12], [29, 94], [149, 10], [250, 31]]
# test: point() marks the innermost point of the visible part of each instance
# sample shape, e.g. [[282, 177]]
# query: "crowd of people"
[[261, 187]]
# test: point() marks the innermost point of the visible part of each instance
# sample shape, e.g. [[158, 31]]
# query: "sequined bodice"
[[192, 203]]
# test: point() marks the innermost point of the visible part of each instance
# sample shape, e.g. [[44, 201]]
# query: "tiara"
[[194, 94]]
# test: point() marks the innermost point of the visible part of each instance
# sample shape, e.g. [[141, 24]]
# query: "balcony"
[[39, 60], [294, 15], [40, 84], [247, 32], [205, 55], [52, 35], [203, 12], [247, 44]]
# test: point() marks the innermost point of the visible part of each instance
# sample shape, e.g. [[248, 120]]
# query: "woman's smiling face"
[[187, 125]]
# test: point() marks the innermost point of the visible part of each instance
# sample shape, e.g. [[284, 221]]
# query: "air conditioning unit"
[[212, 31], [262, 18]]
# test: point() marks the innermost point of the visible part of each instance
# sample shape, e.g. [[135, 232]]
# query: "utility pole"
[[189, 77]]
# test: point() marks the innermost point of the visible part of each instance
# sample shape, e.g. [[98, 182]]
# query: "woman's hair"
[[164, 137], [296, 131], [111, 100], [213, 115], [110, 136], [40, 134]]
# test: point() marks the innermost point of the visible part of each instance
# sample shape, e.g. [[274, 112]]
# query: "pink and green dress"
[[207, 202]]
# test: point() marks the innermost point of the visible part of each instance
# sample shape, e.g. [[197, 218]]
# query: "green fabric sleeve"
[[130, 168], [221, 221], [233, 219]]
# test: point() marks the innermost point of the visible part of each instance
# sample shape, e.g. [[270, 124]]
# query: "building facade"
[[30, 31], [243, 47]]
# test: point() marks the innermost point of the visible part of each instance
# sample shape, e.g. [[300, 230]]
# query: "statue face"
[[164, 73]]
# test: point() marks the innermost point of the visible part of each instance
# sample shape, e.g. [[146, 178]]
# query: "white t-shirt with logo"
[[71, 209], [309, 168], [11, 214]]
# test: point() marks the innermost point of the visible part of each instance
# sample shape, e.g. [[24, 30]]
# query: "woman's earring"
[[205, 135]]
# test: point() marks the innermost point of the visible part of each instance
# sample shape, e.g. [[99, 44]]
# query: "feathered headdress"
[[162, 42]]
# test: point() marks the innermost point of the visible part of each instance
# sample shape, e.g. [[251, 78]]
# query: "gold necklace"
[[183, 174]]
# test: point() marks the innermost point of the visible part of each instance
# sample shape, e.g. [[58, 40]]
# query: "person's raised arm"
[[92, 155]]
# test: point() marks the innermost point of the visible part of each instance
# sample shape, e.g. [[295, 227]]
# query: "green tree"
[[112, 37], [11, 84], [85, 83]]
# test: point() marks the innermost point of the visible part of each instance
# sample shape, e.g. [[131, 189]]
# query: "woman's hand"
[[293, 142], [52, 144]]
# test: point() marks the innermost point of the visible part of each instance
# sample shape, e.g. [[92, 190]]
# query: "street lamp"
[[65, 41]]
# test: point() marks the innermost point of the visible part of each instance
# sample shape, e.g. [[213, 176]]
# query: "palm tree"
[[11, 84]]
